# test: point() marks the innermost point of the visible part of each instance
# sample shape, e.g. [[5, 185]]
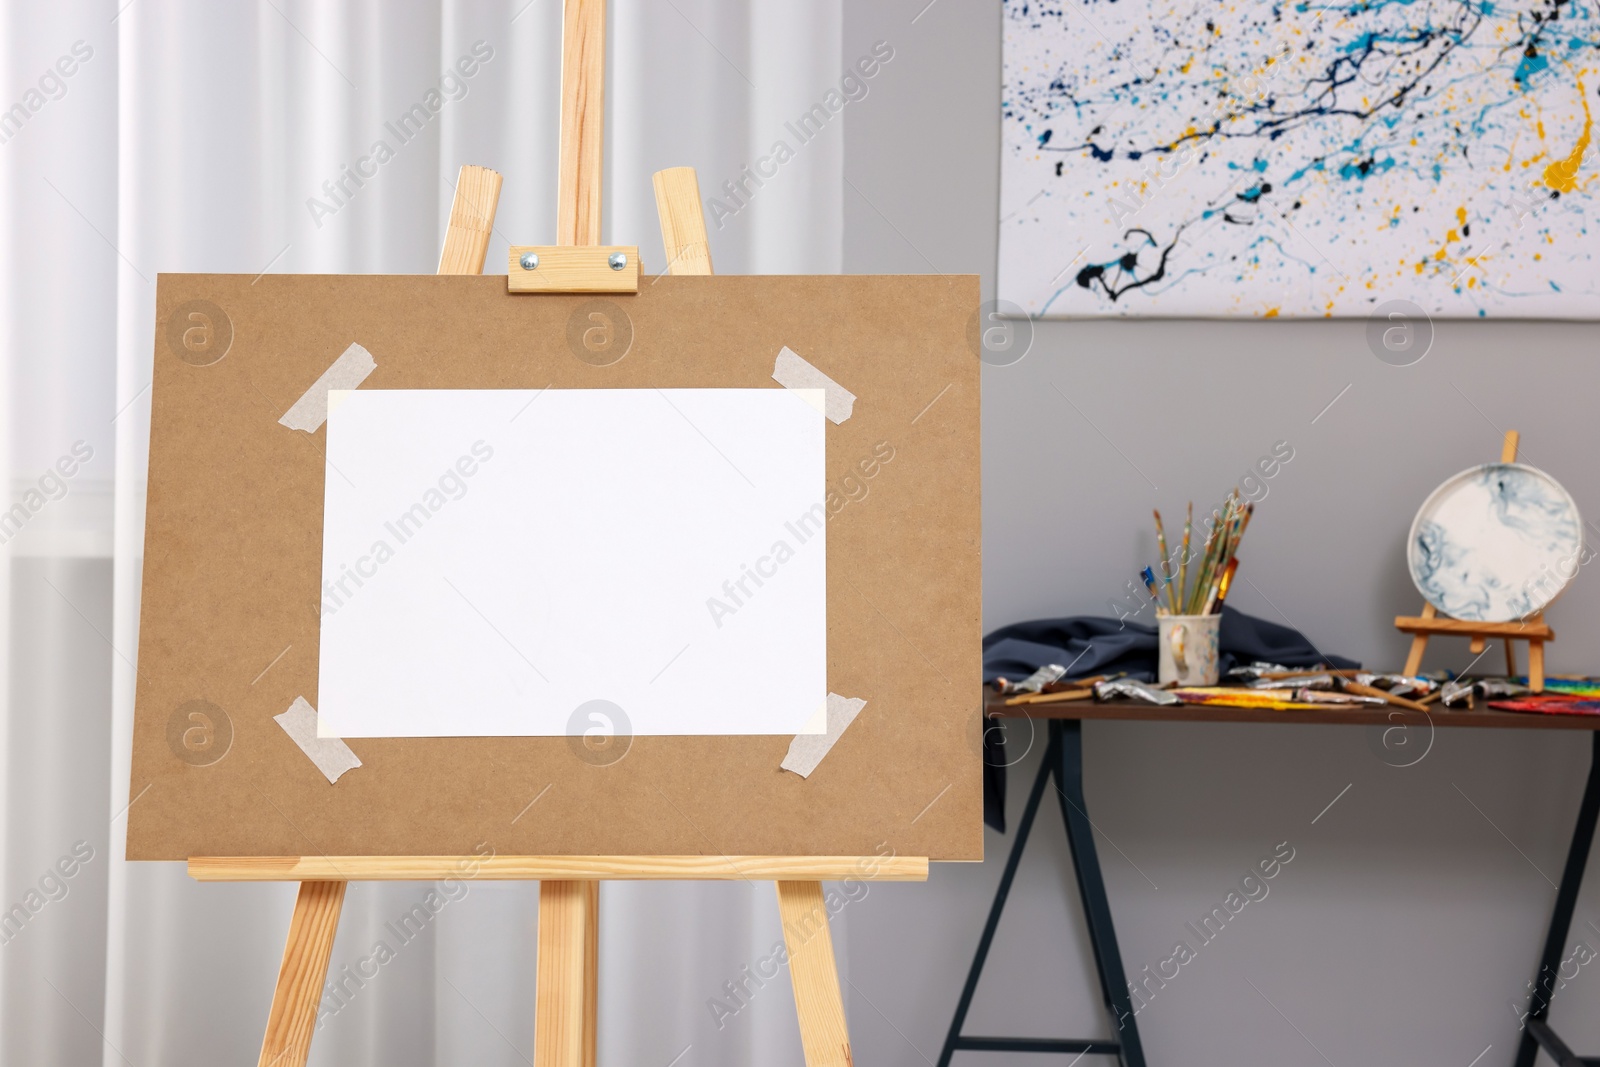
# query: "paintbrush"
[[1213, 548], [1241, 520], [1199, 572], [1076, 683], [1230, 533], [1052, 698], [1166, 562], [1249, 512], [1074, 690], [1183, 562], [1233, 553], [1149, 577], [1388, 697], [1220, 592]]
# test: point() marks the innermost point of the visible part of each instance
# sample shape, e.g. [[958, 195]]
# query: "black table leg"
[[1063, 760], [1067, 745], [1024, 826], [1544, 984]]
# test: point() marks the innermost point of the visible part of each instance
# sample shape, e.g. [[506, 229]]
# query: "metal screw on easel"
[[529, 261], [618, 260]]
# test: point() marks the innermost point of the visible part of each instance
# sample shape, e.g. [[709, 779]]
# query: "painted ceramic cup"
[[1187, 652]]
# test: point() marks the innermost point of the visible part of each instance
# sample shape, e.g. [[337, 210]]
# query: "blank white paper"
[[495, 559]]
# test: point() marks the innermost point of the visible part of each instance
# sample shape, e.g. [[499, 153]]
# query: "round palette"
[[1495, 543]]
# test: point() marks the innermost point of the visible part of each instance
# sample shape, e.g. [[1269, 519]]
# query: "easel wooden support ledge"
[[556, 868], [566, 1004]]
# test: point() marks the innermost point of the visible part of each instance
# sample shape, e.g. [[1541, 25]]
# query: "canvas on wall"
[[1300, 159]]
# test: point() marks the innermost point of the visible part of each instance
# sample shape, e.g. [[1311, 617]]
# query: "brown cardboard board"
[[232, 576]]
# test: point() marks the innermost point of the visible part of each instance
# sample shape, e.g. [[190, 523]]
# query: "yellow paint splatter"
[[1461, 215], [1562, 175], [1272, 313]]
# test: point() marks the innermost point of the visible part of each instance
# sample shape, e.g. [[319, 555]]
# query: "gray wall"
[[1412, 914]]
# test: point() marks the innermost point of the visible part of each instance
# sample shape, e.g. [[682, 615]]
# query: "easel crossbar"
[[556, 868]]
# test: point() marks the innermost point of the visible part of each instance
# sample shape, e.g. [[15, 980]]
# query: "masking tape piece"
[[331, 755], [818, 723], [807, 750], [347, 372], [793, 372]]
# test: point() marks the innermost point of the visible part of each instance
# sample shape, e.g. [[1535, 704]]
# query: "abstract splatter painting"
[[1255, 158]]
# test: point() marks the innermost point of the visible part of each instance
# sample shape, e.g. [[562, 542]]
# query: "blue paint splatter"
[[1363, 167], [1532, 63]]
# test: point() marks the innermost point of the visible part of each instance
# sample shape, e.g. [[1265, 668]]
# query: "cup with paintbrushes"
[[1189, 608]]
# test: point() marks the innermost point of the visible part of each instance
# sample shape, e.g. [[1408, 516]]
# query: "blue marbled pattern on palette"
[[1498, 546]]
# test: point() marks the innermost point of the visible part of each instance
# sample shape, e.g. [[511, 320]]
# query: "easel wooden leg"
[[567, 995], [1419, 644], [293, 1018], [812, 970], [1536, 666], [1511, 657], [823, 1033]]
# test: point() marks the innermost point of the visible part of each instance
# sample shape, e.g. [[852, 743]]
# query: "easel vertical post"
[[583, 110], [567, 996]]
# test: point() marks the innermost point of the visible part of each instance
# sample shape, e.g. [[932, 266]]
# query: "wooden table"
[[1134, 711], [1063, 760]]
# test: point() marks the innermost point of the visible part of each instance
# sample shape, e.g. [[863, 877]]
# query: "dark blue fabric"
[[1089, 644]]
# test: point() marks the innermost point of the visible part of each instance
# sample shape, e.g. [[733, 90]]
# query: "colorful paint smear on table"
[[1549, 705], [1308, 159], [1570, 687]]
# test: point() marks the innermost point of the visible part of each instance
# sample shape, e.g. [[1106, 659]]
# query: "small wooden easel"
[[1532, 629], [566, 1005]]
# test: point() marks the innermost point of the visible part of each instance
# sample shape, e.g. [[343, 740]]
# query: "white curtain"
[[179, 135]]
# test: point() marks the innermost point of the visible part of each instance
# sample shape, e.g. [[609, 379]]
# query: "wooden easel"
[[566, 1003], [1532, 629]]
